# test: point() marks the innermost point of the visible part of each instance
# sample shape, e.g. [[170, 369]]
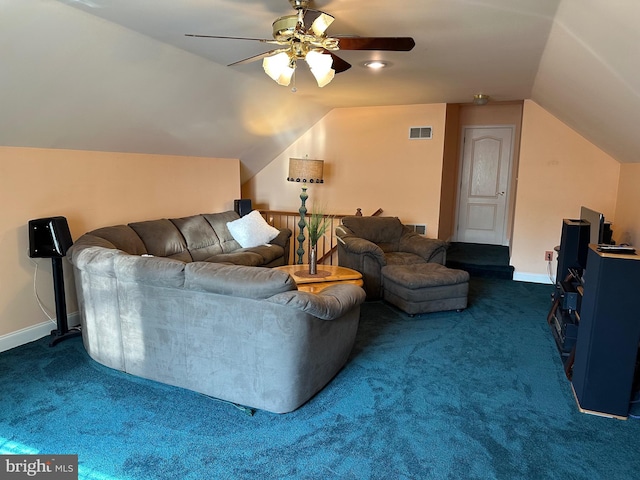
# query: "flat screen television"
[[596, 221]]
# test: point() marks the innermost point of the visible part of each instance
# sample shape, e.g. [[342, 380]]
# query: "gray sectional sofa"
[[164, 300], [190, 239]]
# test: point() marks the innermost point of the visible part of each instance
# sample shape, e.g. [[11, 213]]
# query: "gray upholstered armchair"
[[367, 244]]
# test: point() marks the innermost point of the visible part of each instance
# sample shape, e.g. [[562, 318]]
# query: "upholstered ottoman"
[[425, 287]]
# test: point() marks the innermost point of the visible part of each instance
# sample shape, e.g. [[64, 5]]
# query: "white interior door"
[[484, 185]]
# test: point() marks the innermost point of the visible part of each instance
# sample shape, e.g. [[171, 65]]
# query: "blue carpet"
[[479, 394]]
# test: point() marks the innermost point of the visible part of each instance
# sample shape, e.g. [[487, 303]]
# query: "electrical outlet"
[[548, 256]]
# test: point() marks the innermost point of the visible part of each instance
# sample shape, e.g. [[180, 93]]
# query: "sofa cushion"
[[252, 230], [121, 237], [162, 239], [202, 241], [237, 280], [218, 222], [403, 258], [427, 275], [383, 231], [248, 259], [268, 252], [161, 272]]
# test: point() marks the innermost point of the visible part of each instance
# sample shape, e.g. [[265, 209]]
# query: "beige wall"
[[91, 189], [559, 172], [626, 228], [369, 163]]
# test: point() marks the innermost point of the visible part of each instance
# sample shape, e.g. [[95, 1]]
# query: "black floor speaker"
[[574, 245], [242, 206], [50, 238]]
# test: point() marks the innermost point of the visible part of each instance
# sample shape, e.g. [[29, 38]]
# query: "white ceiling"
[[120, 75]]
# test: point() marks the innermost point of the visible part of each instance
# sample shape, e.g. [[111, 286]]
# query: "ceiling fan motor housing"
[[284, 28], [299, 4]]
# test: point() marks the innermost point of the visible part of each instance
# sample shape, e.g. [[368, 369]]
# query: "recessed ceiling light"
[[375, 64]]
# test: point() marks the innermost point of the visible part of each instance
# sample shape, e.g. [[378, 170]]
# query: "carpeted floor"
[[479, 394]]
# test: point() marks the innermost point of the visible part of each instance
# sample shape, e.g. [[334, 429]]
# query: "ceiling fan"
[[302, 37]]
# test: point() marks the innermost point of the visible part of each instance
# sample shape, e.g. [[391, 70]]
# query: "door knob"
[[499, 193]]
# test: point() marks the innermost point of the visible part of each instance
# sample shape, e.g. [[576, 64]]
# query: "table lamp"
[[304, 171]]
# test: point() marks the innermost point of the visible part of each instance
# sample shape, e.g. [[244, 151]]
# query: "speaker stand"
[[62, 332]]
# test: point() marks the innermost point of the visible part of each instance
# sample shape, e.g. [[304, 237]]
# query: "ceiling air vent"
[[420, 133]]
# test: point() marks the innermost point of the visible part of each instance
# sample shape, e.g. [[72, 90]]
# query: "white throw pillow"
[[252, 230]]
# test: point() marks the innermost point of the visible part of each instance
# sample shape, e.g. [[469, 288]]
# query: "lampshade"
[[320, 65], [279, 67], [305, 170]]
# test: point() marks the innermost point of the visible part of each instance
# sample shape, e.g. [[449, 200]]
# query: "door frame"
[[508, 213]]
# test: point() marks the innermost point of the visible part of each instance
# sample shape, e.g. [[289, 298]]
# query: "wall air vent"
[[420, 133], [419, 229]]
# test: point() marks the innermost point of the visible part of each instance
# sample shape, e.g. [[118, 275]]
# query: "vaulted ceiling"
[[120, 75]]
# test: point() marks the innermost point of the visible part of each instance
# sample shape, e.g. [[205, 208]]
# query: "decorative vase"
[[313, 259]]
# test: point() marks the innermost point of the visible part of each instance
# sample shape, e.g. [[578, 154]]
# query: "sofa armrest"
[[360, 246], [282, 238], [431, 249], [364, 256], [94, 259], [331, 303]]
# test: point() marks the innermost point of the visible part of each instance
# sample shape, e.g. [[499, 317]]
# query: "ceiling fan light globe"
[[324, 79], [285, 78], [279, 68], [320, 65], [320, 24]]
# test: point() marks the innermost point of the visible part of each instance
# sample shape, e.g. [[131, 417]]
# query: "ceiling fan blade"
[[339, 65], [396, 44], [258, 57], [262, 40]]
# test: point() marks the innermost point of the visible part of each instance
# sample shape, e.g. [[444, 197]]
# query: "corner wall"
[[559, 171], [91, 189], [369, 163]]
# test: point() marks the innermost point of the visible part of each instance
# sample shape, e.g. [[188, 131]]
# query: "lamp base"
[[301, 224], [57, 336]]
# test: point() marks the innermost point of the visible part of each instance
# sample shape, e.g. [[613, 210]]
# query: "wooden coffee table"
[[327, 275]]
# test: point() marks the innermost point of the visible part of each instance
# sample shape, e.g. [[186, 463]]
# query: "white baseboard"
[[30, 334], [532, 277]]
